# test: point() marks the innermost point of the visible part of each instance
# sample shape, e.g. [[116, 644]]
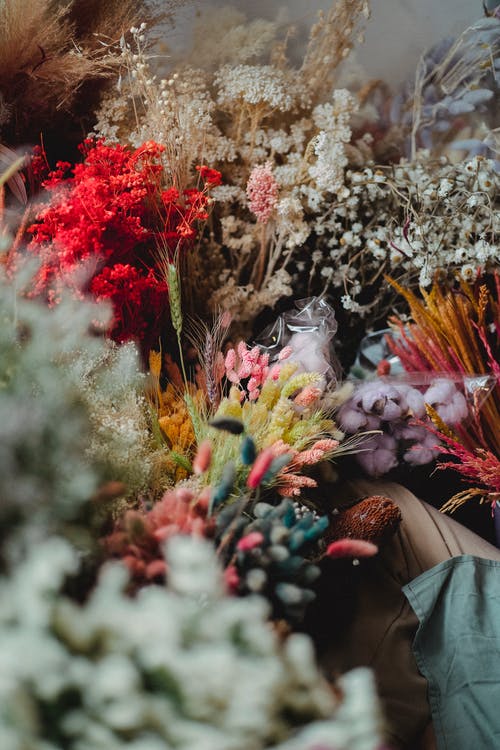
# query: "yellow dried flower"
[[230, 408], [269, 394], [298, 382], [235, 394], [287, 369], [155, 363], [255, 418], [306, 431], [280, 421]]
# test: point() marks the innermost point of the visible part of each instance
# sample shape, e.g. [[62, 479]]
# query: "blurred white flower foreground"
[[182, 667]]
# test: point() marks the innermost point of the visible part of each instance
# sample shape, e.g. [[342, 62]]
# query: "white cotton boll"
[[448, 401], [415, 402], [382, 400], [419, 455], [372, 422], [351, 419], [377, 462], [392, 410], [424, 451], [409, 432], [378, 455], [420, 444], [455, 411], [440, 392], [461, 406], [308, 351]]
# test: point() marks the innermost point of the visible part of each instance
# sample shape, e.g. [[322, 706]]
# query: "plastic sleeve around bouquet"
[[392, 411], [309, 331]]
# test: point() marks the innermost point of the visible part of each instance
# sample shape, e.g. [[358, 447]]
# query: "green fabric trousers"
[[457, 649], [384, 624]]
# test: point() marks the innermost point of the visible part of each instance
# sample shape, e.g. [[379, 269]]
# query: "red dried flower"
[[170, 196], [212, 176], [108, 215]]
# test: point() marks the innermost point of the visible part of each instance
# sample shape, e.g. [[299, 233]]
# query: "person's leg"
[[383, 625]]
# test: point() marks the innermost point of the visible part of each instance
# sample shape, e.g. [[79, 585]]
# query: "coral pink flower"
[[231, 579], [308, 395], [262, 192], [250, 541], [275, 372], [280, 448], [138, 536], [351, 548], [203, 457], [261, 465], [285, 353], [294, 483], [244, 364]]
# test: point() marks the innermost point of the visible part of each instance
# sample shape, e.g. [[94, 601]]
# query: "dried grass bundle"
[[457, 330], [330, 41], [453, 80], [49, 53]]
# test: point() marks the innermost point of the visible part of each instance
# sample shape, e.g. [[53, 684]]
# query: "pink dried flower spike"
[[262, 192]]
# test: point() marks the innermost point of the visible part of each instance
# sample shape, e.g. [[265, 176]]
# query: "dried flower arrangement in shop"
[[140, 400], [307, 206]]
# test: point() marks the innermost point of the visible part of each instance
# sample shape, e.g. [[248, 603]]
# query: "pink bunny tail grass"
[[260, 467], [351, 548], [203, 457]]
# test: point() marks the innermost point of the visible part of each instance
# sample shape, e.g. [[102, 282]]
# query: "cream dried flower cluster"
[[112, 387]]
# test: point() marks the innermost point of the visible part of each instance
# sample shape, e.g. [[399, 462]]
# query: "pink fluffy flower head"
[[262, 192]]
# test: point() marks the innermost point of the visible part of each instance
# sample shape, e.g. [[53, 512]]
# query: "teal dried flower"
[[269, 553], [248, 451]]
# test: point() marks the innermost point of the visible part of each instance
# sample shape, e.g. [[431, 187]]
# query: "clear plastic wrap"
[[309, 330], [373, 350]]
